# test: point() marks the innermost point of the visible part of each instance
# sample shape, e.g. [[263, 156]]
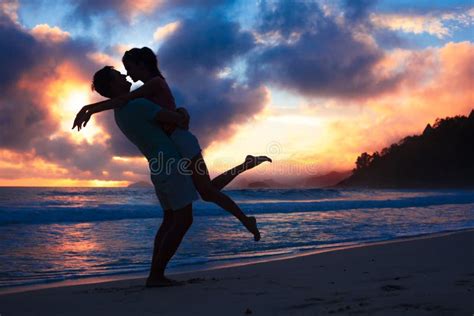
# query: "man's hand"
[[82, 117], [184, 122]]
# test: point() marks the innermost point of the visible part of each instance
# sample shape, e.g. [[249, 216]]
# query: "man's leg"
[[164, 227], [182, 220], [225, 178]]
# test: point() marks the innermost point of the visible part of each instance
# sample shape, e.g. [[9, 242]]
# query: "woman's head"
[[140, 63]]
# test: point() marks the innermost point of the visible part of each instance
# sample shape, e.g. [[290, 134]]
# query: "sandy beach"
[[427, 275]]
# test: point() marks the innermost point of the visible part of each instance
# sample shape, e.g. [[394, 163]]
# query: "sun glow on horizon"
[[69, 97], [62, 182]]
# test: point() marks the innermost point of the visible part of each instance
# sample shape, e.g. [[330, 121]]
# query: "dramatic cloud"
[[320, 81], [17, 56], [317, 55], [27, 168], [40, 69], [22, 119], [21, 116], [29, 67], [192, 58]]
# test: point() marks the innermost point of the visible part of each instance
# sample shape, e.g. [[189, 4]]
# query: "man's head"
[[110, 83]]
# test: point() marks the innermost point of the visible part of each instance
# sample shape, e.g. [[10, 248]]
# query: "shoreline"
[[426, 275], [177, 271]]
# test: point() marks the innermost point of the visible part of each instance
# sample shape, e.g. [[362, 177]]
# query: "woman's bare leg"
[[225, 178], [209, 193]]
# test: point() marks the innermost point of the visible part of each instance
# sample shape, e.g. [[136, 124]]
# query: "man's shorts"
[[174, 191], [186, 143]]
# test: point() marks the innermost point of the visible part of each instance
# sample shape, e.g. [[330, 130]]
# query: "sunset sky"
[[311, 84]]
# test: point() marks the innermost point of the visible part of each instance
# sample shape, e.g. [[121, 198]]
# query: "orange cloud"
[[104, 59], [19, 168], [27, 169], [164, 31], [44, 32], [135, 8]]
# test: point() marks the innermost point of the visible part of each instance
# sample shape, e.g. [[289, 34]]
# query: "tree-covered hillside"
[[443, 156]]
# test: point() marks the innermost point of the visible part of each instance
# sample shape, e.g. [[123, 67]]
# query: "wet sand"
[[429, 275]]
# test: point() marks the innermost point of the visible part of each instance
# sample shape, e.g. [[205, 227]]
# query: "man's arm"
[[106, 105], [179, 117], [84, 115], [145, 91]]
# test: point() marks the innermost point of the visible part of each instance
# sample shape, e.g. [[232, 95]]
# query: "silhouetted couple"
[[149, 119]]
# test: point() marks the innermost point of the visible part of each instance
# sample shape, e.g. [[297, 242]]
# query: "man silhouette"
[[139, 121]]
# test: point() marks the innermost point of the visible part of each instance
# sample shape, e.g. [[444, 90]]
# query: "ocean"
[[56, 234]]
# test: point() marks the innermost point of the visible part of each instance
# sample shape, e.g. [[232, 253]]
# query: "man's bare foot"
[[253, 161], [252, 227], [162, 282]]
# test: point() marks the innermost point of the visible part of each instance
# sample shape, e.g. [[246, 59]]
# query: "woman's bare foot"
[[251, 225], [162, 282], [253, 161]]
